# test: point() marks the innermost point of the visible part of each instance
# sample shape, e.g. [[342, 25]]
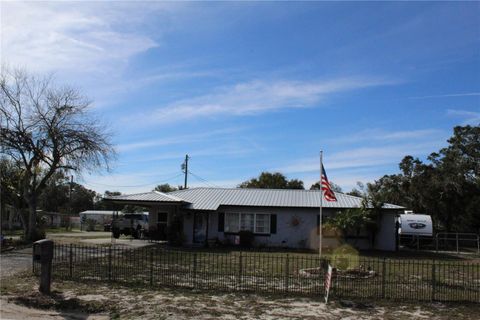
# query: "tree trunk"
[[21, 214], [32, 213]]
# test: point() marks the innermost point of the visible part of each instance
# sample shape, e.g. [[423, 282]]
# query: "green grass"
[[393, 278], [19, 232]]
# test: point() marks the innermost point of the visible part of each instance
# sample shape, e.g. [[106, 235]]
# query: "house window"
[[262, 223], [247, 221], [231, 222], [257, 223]]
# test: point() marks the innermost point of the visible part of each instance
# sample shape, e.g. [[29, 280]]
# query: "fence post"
[[71, 262], [286, 273], [384, 271], [433, 280], [436, 242], [151, 267], [109, 263], [240, 271], [194, 269]]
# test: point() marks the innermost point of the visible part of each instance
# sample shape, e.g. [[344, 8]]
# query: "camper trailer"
[[415, 224], [415, 229]]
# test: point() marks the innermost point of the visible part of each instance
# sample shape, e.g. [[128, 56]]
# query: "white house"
[[277, 217]]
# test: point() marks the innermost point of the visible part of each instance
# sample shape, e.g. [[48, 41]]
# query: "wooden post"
[[43, 251]]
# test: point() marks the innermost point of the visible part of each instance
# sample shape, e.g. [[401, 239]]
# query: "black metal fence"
[[301, 274]]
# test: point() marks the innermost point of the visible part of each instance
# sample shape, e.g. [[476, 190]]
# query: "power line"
[[133, 186], [203, 180]]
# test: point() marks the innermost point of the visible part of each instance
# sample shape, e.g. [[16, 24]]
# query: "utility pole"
[[185, 170]]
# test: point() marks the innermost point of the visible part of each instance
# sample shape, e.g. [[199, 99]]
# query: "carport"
[[162, 208]]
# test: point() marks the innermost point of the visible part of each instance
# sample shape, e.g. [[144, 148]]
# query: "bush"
[[246, 239]]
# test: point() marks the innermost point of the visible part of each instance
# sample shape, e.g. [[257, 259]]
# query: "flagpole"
[[321, 205]]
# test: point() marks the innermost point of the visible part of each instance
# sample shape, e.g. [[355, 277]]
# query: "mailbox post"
[[43, 252]]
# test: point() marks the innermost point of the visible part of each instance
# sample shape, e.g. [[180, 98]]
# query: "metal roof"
[[212, 198], [153, 196]]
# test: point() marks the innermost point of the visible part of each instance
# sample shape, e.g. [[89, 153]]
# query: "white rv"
[[415, 224]]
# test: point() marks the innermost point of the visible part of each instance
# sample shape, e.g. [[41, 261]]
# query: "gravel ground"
[[14, 311], [15, 261]]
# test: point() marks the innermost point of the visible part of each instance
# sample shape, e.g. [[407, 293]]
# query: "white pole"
[[321, 205]]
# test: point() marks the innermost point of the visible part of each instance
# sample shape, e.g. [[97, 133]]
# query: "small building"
[[276, 217], [99, 216], [51, 219], [10, 218]]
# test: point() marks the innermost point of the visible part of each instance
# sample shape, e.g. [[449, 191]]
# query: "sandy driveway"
[[10, 310], [15, 261]]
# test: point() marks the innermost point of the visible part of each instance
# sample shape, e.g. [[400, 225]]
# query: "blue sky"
[[257, 86]]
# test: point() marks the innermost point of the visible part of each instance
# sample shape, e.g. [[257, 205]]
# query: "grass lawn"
[[19, 232], [274, 272]]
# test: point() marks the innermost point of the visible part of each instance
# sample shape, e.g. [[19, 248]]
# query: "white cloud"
[[382, 135], [258, 96], [363, 157], [450, 95], [470, 117], [179, 139], [66, 36]]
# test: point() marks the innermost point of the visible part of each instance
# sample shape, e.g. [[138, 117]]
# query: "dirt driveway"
[[99, 300], [14, 262], [14, 311]]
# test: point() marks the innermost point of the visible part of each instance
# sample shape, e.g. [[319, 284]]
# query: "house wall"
[[154, 210], [303, 235], [385, 239]]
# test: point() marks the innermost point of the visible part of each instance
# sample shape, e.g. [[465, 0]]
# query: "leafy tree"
[[295, 184], [447, 186], [10, 176], [45, 129], [276, 180], [82, 198], [165, 188], [108, 205], [364, 218]]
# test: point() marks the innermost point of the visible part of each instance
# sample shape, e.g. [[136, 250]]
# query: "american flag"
[[327, 190]]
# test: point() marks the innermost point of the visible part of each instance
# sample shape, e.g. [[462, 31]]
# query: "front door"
[[199, 227]]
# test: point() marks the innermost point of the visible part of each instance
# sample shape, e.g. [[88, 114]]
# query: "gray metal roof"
[[212, 198], [153, 196]]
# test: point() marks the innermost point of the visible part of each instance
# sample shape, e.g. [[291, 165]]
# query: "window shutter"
[[273, 223], [221, 221]]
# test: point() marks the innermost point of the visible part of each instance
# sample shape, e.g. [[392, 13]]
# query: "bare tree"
[[45, 128]]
